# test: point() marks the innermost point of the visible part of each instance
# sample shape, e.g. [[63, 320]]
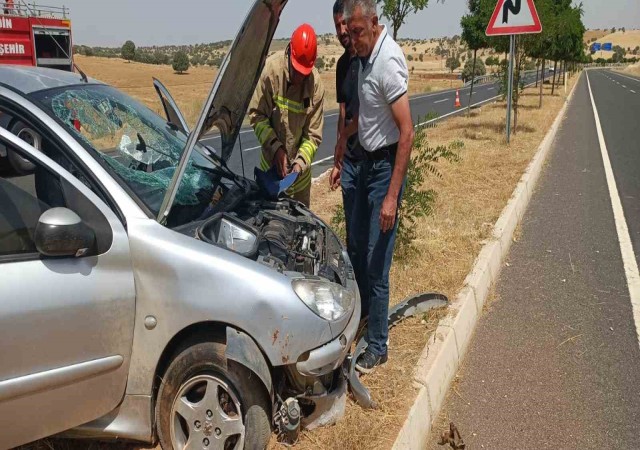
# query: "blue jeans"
[[372, 188], [357, 231]]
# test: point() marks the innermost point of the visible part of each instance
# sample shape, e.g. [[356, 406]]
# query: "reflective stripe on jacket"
[[292, 117]]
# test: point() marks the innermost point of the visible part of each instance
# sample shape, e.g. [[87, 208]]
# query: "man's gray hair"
[[368, 7]]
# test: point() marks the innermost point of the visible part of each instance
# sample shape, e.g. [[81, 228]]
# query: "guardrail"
[[24, 9], [491, 77]]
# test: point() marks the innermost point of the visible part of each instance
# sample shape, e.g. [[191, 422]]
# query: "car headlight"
[[328, 300]]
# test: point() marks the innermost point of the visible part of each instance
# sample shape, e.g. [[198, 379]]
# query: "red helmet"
[[304, 49]]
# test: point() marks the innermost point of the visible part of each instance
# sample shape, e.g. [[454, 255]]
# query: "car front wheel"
[[208, 402]]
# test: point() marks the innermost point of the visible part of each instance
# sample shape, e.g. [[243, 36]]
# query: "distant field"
[[190, 89]]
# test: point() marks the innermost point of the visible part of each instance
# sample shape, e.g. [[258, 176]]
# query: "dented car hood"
[[233, 88]]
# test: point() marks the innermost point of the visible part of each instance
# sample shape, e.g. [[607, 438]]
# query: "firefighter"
[[286, 111], [9, 7]]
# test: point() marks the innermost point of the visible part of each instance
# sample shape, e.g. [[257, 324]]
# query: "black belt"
[[381, 153]]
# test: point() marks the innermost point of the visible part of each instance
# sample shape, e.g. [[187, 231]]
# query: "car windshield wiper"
[[232, 175]]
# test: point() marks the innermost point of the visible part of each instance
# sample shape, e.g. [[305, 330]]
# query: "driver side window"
[[25, 196]]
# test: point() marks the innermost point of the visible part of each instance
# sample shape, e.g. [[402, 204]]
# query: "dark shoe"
[[368, 361]]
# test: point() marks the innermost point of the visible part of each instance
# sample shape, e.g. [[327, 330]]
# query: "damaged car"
[[147, 291]]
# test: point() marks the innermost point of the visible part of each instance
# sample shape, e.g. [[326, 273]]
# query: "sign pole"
[[510, 84]]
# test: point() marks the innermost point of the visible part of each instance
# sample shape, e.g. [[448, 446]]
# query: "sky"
[[159, 22]]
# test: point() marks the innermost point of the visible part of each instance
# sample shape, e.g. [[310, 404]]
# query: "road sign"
[[596, 47], [514, 17], [607, 46]]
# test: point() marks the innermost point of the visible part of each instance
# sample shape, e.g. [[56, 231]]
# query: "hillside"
[[423, 55], [629, 40]]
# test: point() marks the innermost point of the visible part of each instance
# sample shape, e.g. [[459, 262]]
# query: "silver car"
[[146, 291]]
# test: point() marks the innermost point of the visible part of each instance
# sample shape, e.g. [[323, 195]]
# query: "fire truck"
[[35, 35]]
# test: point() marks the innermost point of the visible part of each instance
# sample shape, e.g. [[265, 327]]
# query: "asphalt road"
[[555, 362], [441, 102]]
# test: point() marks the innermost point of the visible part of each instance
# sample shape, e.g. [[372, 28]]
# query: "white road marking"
[[440, 101], [490, 89], [624, 86], [252, 148], [322, 160], [632, 79], [632, 91], [626, 248]]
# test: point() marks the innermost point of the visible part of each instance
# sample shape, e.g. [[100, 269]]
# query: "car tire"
[[186, 407]]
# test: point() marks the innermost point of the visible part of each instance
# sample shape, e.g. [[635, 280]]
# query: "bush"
[[320, 64], [180, 62], [452, 63], [128, 51], [417, 201], [160, 58], [467, 71]]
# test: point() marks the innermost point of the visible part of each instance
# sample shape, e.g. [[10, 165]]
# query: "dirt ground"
[[471, 195]]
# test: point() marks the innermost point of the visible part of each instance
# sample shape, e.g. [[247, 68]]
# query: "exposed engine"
[[281, 235]]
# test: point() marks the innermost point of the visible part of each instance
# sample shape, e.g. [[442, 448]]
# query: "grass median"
[[471, 196]]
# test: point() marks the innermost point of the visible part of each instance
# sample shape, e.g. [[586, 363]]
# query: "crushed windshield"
[[137, 145]]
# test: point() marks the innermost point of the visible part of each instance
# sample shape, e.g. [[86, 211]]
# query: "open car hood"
[[231, 93]]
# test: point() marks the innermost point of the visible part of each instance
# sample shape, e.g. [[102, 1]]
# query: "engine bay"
[[282, 235]]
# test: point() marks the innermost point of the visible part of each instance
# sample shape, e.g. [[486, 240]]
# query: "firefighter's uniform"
[[288, 116]]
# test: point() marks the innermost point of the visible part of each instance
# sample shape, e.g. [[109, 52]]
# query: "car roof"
[[31, 79]]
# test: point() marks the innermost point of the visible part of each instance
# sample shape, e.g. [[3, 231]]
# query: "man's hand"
[[281, 163], [296, 168], [334, 178], [338, 155], [388, 213]]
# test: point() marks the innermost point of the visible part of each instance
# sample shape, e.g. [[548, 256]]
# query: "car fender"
[[243, 350]]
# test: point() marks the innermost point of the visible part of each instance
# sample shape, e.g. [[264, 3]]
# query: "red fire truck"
[[33, 35]]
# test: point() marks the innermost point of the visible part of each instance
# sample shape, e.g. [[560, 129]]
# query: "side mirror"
[[61, 232]]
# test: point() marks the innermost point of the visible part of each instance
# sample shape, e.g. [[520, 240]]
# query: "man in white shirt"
[[385, 130]]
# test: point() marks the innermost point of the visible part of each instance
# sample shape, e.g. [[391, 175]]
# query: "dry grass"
[[628, 40], [632, 70], [597, 34], [471, 195]]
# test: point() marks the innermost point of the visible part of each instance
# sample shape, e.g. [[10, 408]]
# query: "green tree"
[[618, 54], [160, 57], [128, 51], [452, 63], [470, 70], [396, 11], [320, 63], [473, 26], [180, 62]]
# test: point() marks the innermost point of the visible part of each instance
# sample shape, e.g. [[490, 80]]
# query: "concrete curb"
[[444, 353]]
